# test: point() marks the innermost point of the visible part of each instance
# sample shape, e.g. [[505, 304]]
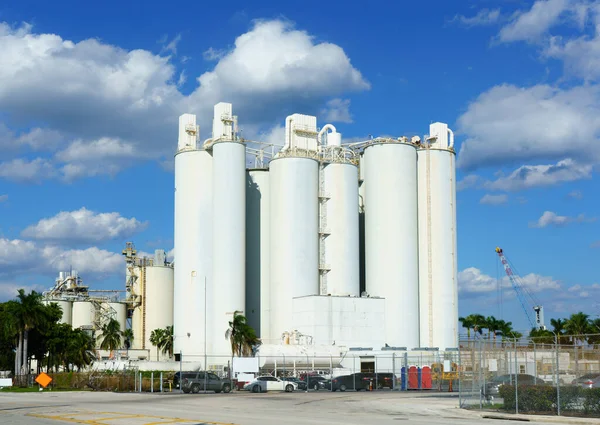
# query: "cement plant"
[[326, 247]]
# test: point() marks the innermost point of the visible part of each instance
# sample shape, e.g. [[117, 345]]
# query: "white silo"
[[192, 239], [339, 218], [258, 310], [438, 278], [84, 314], [119, 312], [67, 310], [229, 227], [158, 301], [391, 239], [294, 227]]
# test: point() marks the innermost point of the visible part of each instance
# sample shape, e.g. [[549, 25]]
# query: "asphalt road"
[[240, 408]]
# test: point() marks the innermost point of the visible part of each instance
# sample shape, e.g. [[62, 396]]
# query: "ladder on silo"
[[324, 231]]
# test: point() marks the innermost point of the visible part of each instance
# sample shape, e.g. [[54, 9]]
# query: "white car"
[[270, 383]]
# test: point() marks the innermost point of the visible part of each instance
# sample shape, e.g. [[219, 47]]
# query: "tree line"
[[576, 329], [31, 329]]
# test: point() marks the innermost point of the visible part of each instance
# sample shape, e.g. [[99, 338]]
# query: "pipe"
[[450, 139], [288, 124], [324, 130]]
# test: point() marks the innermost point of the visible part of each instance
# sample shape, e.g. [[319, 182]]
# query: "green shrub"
[[543, 399]]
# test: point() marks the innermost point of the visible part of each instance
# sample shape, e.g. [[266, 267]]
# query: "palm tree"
[[506, 330], [111, 335], [80, 349], [492, 324], [558, 326], [541, 336], [479, 323], [578, 325], [26, 312], [166, 341], [467, 323], [128, 336], [156, 336], [242, 336]]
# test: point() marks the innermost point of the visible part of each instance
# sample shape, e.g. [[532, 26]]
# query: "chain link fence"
[[531, 376]]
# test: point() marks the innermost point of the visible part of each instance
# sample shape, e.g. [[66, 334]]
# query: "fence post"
[[534, 364], [354, 371], [393, 371], [161, 382], [479, 378], [458, 372], [152, 381], [134, 381], [141, 380], [516, 380], [181, 371], [557, 376]]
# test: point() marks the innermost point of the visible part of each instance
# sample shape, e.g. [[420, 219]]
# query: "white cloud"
[[574, 288], [483, 17], [468, 182], [575, 194], [273, 65], [507, 124], [3, 198], [529, 176], [337, 110], [83, 226], [170, 46], [550, 218], [532, 24], [23, 170], [474, 281], [10, 289], [18, 256], [213, 54], [488, 199]]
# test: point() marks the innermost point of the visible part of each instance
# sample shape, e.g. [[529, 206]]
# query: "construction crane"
[[526, 297]]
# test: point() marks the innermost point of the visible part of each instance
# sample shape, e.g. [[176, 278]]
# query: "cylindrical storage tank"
[[120, 315], [438, 278], [84, 314], [341, 242], [157, 304], [229, 239], [361, 222], [67, 310], [294, 235], [193, 250], [258, 310], [391, 238]]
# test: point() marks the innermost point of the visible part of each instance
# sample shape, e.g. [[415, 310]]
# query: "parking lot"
[[241, 408]]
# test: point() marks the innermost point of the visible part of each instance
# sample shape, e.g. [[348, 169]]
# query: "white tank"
[[158, 303], [83, 314], [341, 244], [67, 310], [121, 315], [437, 241], [294, 236], [193, 249], [258, 310], [229, 239], [391, 239]]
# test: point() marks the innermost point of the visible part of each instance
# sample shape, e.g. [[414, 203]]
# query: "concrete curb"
[[539, 418]]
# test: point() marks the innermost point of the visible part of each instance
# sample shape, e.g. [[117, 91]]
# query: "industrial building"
[[146, 306], [325, 247], [321, 244]]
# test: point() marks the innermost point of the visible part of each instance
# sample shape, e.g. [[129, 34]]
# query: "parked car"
[[492, 388], [590, 380], [301, 384], [270, 383], [196, 381], [177, 377], [316, 382]]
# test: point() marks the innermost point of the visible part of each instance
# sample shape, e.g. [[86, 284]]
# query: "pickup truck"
[[196, 381]]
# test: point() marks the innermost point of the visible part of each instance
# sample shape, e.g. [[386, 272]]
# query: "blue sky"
[[89, 100]]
